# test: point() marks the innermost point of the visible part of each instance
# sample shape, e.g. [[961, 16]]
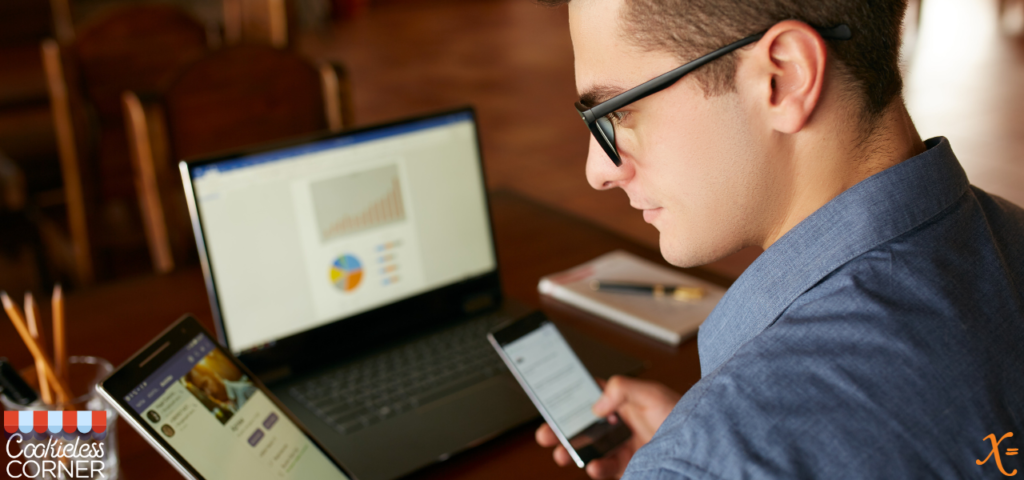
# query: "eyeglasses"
[[598, 117]]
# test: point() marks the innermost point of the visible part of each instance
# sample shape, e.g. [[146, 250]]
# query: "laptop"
[[356, 275]]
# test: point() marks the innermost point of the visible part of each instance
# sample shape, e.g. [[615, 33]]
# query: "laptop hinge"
[[275, 374], [478, 303]]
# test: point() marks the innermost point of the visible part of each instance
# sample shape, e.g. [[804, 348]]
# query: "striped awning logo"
[[41, 421]]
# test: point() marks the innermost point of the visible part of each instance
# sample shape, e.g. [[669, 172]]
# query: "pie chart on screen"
[[346, 273]]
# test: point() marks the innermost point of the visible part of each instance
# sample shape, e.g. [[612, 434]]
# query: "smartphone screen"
[[559, 385]]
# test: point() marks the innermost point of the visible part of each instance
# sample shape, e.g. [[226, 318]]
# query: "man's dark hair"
[[691, 28]]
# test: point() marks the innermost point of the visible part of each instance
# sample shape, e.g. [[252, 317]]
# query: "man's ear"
[[787, 70]]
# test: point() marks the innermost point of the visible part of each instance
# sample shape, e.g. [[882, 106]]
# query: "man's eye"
[[617, 117]]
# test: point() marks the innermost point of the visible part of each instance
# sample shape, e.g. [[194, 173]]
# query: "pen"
[[677, 292]]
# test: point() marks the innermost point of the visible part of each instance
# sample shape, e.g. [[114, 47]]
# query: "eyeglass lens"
[[608, 140]]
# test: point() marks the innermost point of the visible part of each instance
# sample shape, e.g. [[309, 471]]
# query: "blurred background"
[[100, 98]]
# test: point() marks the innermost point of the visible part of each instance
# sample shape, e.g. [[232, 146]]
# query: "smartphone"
[[209, 416], [559, 385]]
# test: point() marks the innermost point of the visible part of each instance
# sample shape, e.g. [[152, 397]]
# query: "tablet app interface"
[[213, 415], [557, 377]]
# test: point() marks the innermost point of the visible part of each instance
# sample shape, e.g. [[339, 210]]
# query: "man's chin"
[[689, 253]]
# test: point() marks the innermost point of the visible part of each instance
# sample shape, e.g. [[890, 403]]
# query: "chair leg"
[[61, 108], [146, 185]]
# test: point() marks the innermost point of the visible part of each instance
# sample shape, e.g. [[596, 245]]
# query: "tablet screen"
[[202, 405]]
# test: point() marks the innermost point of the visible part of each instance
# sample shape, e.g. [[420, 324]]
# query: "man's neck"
[[827, 161]]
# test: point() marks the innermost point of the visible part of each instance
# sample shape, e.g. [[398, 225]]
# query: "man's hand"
[[642, 404]]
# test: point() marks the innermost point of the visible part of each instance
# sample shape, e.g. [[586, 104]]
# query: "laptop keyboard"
[[382, 386]]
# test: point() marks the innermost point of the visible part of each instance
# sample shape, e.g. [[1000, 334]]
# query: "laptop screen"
[[303, 236]]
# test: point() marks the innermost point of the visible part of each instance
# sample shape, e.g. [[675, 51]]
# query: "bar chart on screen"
[[359, 201]]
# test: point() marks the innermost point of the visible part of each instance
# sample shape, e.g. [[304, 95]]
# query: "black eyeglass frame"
[[600, 125]]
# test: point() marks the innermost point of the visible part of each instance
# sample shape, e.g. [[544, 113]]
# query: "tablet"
[[209, 416]]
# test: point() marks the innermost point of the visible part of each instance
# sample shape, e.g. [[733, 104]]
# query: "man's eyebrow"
[[599, 93]]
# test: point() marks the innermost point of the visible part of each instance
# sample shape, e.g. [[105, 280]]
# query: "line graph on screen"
[[358, 201]]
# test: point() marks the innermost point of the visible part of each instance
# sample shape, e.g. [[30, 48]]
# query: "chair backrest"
[[236, 97], [138, 48], [241, 96]]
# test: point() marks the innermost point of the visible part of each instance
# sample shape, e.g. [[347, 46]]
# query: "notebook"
[[661, 318]]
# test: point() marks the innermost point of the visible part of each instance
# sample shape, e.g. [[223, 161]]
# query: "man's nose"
[[602, 174]]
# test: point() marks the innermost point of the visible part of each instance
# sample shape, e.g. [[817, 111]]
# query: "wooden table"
[[114, 320]]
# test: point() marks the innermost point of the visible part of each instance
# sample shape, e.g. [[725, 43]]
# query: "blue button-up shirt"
[[882, 337]]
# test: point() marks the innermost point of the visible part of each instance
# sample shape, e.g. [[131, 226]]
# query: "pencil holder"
[[80, 442]]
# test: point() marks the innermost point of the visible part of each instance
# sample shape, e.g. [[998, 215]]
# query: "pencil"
[[35, 328], [60, 354], [63, 393]]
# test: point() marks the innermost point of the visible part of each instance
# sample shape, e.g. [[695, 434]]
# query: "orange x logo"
[[995, 451]]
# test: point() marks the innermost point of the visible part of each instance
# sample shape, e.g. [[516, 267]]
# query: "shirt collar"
[[870, 213]]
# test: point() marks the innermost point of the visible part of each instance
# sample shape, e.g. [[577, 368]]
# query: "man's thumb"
[[613, 397]]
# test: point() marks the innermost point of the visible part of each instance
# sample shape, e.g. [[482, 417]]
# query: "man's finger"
[[615, 392], [561, 456], [545, 436], [603, 468]]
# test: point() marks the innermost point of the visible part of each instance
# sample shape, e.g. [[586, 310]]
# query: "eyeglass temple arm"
[[661, 82]]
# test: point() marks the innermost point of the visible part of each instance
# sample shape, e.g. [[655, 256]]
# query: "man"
[[881, 333]]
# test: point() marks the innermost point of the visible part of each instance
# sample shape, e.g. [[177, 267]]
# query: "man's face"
[[698, 167]]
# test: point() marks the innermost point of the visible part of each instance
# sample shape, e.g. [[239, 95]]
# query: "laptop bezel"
[[346, 338]]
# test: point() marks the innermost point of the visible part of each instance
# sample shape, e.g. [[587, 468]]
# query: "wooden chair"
[[33, 190], [26, 131], [63, 28], [239, 96], [259, 22], [138, 48]]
